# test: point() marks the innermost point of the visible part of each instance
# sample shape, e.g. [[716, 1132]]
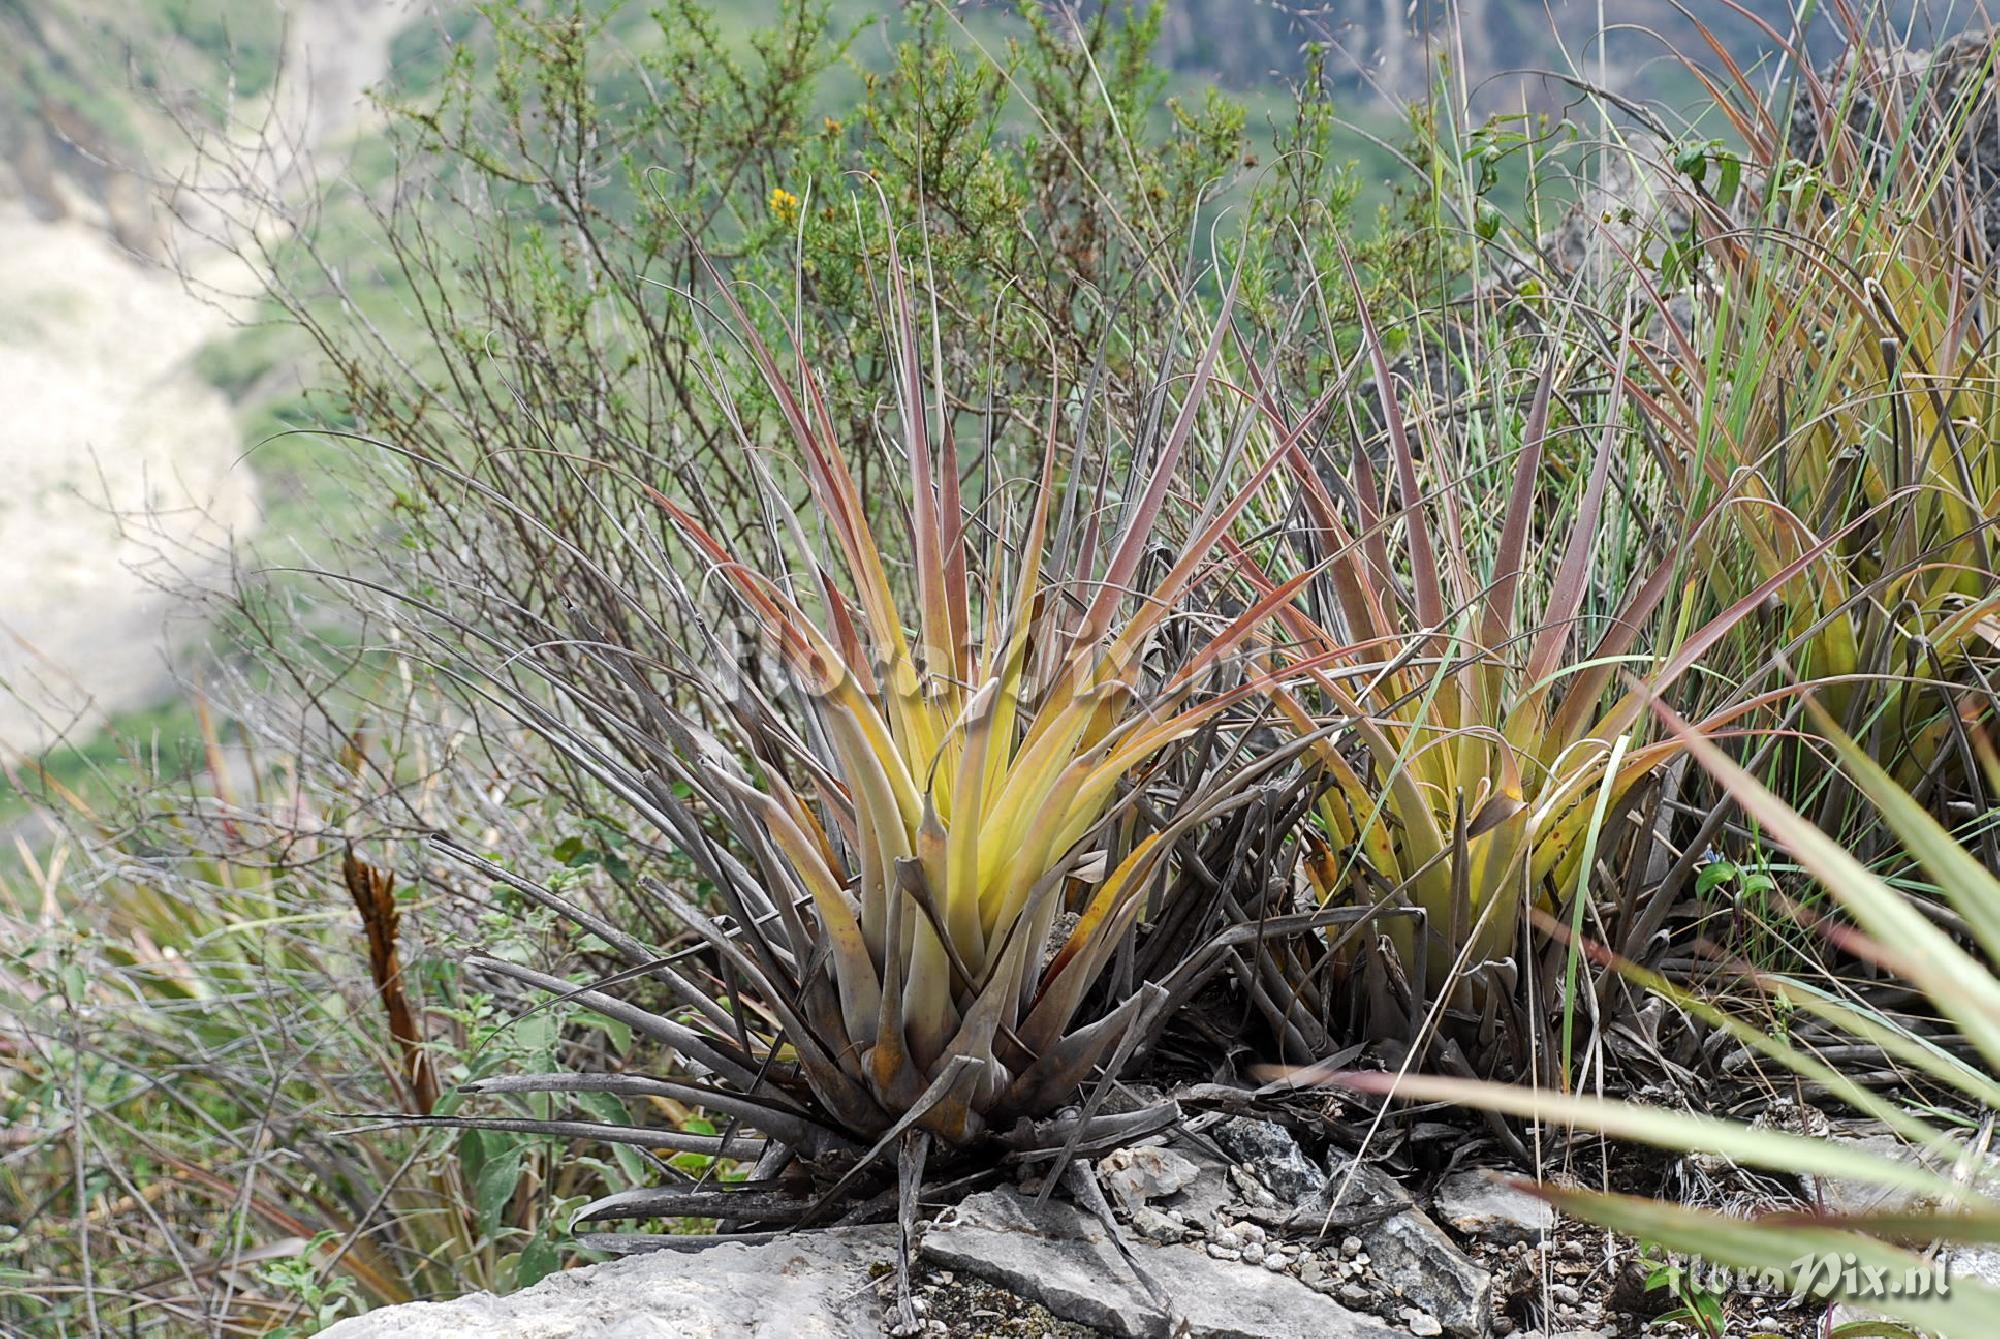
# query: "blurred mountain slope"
[[125, 463], [1391, 48]]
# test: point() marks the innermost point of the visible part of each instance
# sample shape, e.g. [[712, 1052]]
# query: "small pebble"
[[1253, 1191], [1153, 1225], [1422, 1322], [1351, 1247], [1217, 1251]]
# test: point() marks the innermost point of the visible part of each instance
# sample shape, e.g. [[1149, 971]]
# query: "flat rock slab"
[[1424, 1266], [1415, 1257], [1481, 1205], [1980, 1263], [1061, 1257], [812, 1286]]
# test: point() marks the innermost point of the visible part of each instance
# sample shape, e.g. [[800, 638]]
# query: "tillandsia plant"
[[1843, 395], [1891, 1245], [1485, 680], [927, 844]]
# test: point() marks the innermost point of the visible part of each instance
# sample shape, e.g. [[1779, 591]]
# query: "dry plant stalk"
[[374, 892]]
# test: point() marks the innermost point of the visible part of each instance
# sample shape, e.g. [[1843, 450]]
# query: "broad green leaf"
[[539, 1259], [1773, 1150], [494, 1186], [1969, 1309]]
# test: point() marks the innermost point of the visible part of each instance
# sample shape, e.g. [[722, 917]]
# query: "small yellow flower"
[[784, 205]]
